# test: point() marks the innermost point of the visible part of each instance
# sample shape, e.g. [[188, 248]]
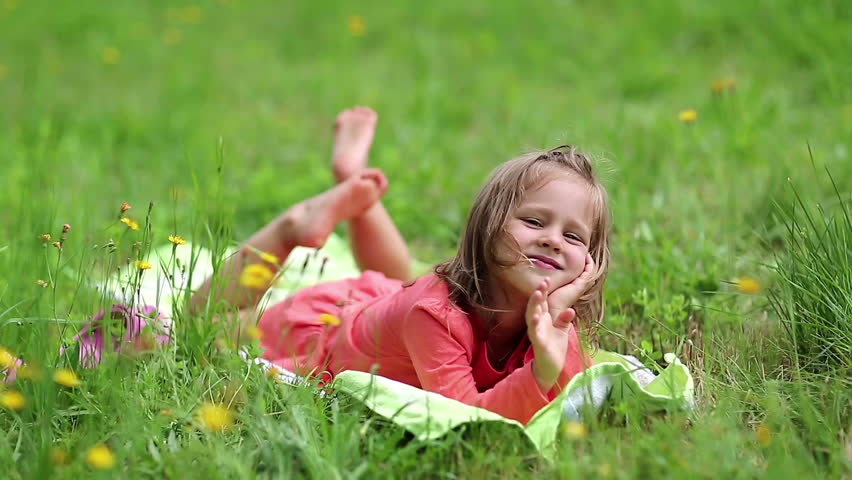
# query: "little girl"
[[492, 327]]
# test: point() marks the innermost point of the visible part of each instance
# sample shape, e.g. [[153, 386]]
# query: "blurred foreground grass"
[[220, 114]]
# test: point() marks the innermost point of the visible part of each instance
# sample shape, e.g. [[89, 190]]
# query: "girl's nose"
[[550, 239]]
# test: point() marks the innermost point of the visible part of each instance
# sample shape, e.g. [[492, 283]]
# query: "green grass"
[[224, 128]]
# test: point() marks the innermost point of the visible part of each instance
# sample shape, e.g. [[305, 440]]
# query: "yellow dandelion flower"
[[688, 116], [41, 283], [329, 319], [748, 285], [763, 435], [7, 359], [177, 239], [13, 400], [256, 275], [215, 417], [254, 333], [723, 85], [66, 378], [58, 456], [575, 430], [357, 26], [111, 55], [268, 257], [100, 457], [131, 224], [143, 265]]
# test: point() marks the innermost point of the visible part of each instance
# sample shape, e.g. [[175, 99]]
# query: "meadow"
[[722, 130]]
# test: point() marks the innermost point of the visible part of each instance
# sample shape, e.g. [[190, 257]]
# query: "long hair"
[[468, 273]]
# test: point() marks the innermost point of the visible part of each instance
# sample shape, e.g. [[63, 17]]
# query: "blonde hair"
[[468, 273]]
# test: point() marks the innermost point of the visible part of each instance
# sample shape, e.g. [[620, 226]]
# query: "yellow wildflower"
[[177, 239], [111, 55], [66, 378], [100, 457], [329, 319], [763, 434], [58, 456], [215, 417], [688, 116], [273, 373], [143, 265], [357, 26], [45, 237], [254, 333], [13, 400], [575, 430], [256, 275], [57, 245], [268, 257], [131, 224], [747, 285], [41, 283], [723, 85], [7, 359]]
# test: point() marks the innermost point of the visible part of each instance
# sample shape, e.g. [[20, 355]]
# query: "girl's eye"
[[573, 236], [532, 221]]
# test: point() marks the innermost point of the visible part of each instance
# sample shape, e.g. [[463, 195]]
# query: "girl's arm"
[[441, 352]]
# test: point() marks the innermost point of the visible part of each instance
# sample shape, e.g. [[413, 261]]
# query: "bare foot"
[[309, 223], [353, 136]]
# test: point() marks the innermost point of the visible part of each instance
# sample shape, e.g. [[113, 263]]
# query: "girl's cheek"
[[578, 263]]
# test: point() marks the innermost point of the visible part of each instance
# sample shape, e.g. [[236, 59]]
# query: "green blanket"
[[613, 377], [429, 415]]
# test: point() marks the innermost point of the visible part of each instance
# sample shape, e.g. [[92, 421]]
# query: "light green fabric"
[[429, 415]]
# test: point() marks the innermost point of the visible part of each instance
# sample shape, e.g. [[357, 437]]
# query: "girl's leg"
[[308, 223], [376, 242]]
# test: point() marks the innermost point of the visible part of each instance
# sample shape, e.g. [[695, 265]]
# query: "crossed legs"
[[376, 243]]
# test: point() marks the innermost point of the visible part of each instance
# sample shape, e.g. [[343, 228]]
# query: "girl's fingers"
[[534, 304], [565, 319]]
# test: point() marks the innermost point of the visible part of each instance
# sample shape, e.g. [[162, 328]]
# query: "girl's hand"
[[549, 336], [563, 298]]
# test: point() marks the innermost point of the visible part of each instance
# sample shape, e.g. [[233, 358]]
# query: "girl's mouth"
[[544, 262]]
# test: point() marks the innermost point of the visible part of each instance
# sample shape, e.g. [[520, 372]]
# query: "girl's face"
[[552, 227]]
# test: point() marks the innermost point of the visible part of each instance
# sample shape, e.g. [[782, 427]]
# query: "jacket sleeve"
[[441, 347]]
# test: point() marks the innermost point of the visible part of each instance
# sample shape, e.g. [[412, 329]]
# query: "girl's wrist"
[[544, 379]]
